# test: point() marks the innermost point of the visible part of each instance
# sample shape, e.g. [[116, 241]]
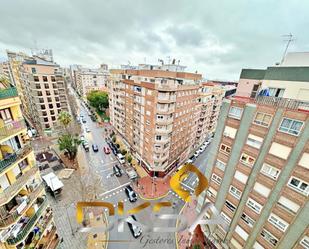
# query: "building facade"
[[26, 220], [162, 113], [87, 80], [259, 169]]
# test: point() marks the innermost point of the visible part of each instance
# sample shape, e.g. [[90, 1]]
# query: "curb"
[[152, 199]]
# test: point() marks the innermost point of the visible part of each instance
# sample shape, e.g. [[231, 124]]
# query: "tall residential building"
[[5, 70], [162, 113], [258, 170], [42, 87], [26, 220], [87, 80]]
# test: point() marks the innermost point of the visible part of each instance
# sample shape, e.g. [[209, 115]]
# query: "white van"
[[121, 158]]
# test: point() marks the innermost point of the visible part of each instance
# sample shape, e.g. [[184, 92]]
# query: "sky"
[[215, 38]]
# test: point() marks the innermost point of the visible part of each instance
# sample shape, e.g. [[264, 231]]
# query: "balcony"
[[27, 227], [283, 102], [11, 191], [16, 156], [8, 93], [165, 121], [12, 128], [16, 213]]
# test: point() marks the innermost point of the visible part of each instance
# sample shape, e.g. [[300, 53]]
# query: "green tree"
[[98, 99], [196, 246], [123, 152], [114, 139], [64, 118], [129, 159], [69, 144]]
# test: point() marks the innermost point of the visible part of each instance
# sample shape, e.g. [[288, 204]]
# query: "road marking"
[[112, 190], [187, 186]]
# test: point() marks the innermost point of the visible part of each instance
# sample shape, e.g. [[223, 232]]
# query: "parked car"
[[95, 148], [86, 146], [197, 153], [131, 194], [82, 138], [131, 173], [107, 150], [191, 159], [84, 121], [202, 148], [121, 158], [135, 230], [117, 170], [87, 129]]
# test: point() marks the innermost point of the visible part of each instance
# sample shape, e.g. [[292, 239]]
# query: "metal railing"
[[8, 93], [17, 155], [283, 102], [9, 192], [26, 229], [12, 128], [13, 217]]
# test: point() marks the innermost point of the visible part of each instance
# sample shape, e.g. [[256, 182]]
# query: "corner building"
[[26, 220]]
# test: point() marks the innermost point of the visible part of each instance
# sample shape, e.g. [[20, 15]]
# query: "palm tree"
[[64, 118], [69, 144]]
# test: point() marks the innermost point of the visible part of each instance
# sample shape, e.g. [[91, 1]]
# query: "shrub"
[[114, 139], [129, 158], [123, 152]]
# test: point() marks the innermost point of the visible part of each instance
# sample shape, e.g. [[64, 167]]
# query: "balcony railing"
[[12, 128], [9, 192], [15, 157], [27, 228], [14, 216], [283, 102], [8, 93]]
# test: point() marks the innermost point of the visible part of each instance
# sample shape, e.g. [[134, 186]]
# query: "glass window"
[[250, 222], [235, 112], [256, 207], [305, 242], [235, 192], [269, 237], [270, 171], [291, 126], [225, 149], [220, 165], [254, 141], [299, 185], [262, 119], [278, 222], [33, 70], [230, 206], [216, 179], [247, 160]]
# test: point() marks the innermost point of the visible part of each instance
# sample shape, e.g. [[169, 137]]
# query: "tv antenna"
[[287, 38]]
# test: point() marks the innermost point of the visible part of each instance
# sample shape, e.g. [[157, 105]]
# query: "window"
[[48, 93], [137, 89], [158, 137], [305, 242], [247, 160], [147, 122], [261, 189], [280, 150], [242, 233], [33, 70], [288, 204], [47, 126], [278, 222], [230, 206], [299, 185], [226, 218], [159, 117], [254, 90], [250, 222], [46, 86], [45, 119], [53, 78], [235, 192], [254, 141], [216, 179], [225, 149], [269, 237], [262, 119], [230, 132], [44, 113], [291, 126], [235, 112], [50, 106], [256, 207], [43, 107], [304, 161], [58, 105], [36, 78], [276, 92], [220, 165], [45, 78], [241, 177], [148, 113], [211, 192], [49, 99], [270, 171]]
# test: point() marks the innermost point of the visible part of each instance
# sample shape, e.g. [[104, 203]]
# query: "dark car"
[[135, 230], [117, 171], [95, 148], [84, 121], [131, 194]]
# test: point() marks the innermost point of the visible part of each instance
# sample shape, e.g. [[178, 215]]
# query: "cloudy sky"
[[216, 38]]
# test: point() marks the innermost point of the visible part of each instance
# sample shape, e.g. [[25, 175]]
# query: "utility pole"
[[289, 39]]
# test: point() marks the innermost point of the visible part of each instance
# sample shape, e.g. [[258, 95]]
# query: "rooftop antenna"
[[288, 39]]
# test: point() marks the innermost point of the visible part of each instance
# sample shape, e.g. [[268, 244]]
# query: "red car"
[[107, 150]]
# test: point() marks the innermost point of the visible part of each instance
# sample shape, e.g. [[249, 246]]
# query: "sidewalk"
[[151, 188], [97, 240], [184, 239]]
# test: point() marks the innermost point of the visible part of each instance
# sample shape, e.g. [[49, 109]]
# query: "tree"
[[64, 118], [69, 144], [129, 158], [114, 139], [123, 152], [98, 99]]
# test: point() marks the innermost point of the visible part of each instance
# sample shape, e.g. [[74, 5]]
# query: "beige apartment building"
[[42, 86], [87, 80], [259, 169], [162, 113]]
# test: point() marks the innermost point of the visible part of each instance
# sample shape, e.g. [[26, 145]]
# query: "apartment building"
[[5, 70], [259, 169], [156, 110], [87, 80], [26, 220]]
